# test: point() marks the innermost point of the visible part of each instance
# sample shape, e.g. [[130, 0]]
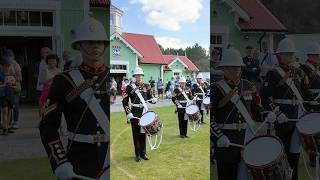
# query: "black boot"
[[137, 158], [145, 157], [5, 132]]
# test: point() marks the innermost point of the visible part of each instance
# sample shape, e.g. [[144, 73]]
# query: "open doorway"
[[118, 78], [27, 52]]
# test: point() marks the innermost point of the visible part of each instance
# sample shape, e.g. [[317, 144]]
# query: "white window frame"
[[124, 63]]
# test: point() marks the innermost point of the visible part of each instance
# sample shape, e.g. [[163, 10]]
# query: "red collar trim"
[[91, 70], [313, 63]]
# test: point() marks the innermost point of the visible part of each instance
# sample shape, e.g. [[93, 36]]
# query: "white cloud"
[[169, 42], [169, 14]]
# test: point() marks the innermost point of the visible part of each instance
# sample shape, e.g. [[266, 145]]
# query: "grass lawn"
[[176, 159], [31, 169]]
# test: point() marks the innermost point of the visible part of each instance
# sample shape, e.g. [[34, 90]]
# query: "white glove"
[[179, 106], [223, 141], [271, 117], [129, 117], [64, 171], [254, 69], [154, 100], [282, 118]]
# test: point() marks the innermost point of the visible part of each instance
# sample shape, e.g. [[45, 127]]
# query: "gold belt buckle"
[[240, 126]]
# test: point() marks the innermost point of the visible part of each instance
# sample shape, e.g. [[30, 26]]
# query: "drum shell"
[[278, 169], [194, 117], [154, 127], [310, 142]]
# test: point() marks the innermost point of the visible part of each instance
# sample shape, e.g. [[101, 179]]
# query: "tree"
[[196, 54]]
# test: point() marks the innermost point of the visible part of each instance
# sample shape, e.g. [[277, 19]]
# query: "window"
[[10, 18], [112, 19], [118, 67], [176, 74], [25, 18], [22, 18], [217, 41], [35, 18], [47, 19]]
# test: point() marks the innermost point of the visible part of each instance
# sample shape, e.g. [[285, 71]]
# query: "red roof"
[[147, 46], [170, 58], [261, 19], [99, 3]]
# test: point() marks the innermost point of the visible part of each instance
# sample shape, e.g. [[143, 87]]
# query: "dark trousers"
[[183, 124], [227, 171], [87, 159], [201, 112], [293, 159], [139, 140]]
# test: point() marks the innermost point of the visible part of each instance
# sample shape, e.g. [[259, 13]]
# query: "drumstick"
[[83, 177], [293, 120], [237, 145]]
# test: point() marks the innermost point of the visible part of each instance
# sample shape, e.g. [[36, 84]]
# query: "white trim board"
[[235, 8], [177, 59], [117, 35]]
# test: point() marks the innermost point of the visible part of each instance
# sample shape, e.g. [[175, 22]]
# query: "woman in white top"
[[46, 76]]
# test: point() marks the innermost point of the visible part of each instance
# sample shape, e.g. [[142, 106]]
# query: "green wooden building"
[[241, 23]]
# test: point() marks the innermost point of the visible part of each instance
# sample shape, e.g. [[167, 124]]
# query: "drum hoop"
[[194, 106], [151, 121], [303, 115], [272, 162]]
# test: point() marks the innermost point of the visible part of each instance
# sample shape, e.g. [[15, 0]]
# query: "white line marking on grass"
[[115, 163]]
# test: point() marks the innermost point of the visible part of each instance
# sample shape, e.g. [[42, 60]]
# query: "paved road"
[[25, 143]]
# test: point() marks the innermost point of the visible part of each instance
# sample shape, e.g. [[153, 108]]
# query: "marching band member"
[[138, 93], [82, 96], [200, 89], [311, 94], [282, 88], [182, 98], [234, 106]]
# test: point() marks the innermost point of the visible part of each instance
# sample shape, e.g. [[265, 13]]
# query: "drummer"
[[181, 97], [229, 122], [139, 93], [278, 90], [200, 89], [312, 92]]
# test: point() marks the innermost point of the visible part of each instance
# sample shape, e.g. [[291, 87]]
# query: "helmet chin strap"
[[91, 57]]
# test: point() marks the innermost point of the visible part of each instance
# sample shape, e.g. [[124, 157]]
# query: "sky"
[[174, 23]]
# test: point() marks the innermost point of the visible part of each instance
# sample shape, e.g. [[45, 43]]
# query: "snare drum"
[[193, 113], [151, 123], [206, 102], [266, 160], [309, 129]]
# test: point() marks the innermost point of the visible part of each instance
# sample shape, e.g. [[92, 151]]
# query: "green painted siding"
[[151, 70], [126, 54], [102, 15], [167, 75], [222, 17], [71, 16]]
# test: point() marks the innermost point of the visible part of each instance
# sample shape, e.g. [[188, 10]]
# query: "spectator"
[[9, 56], [41, 66], [251, 72], [46, 76], [125, 83], [172, 85], [7, 85], [266, 60], [113, 90], [160, 87], [67, 60]]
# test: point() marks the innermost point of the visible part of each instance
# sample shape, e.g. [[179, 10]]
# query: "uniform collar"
[[97, 70], [312, 63]]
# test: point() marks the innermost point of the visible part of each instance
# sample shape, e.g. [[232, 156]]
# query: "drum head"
[[147, 119], [192, 109], [262, 151], [309, 124], [206, 101]]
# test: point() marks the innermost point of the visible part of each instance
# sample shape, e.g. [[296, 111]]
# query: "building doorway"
[[118, 78], [27, 52]]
